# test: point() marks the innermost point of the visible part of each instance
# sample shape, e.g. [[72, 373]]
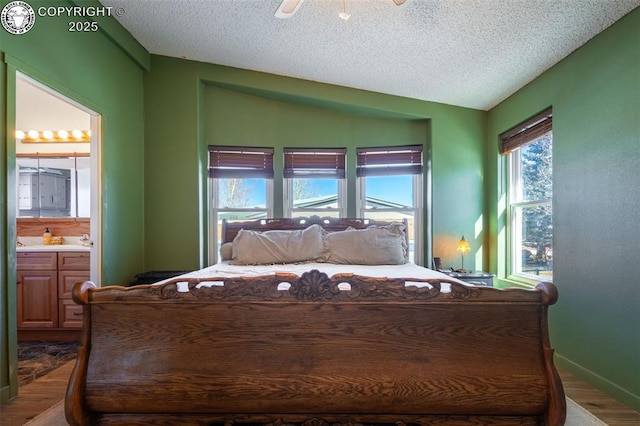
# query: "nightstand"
[[475, 278]]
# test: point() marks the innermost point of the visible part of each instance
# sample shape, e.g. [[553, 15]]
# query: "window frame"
[[239, 166], [510, 144], [214, 213], [405, 164], [333, 168]]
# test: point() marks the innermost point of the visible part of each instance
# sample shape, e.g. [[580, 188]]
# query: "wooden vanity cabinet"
[[73, 267], [45, 282], [37, 290]]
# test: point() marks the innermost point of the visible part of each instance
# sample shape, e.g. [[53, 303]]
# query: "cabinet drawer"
[[66, 281], [70, 314], [73, 260], [37, 261]]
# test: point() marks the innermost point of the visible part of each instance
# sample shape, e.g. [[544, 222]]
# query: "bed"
[[314, 342]]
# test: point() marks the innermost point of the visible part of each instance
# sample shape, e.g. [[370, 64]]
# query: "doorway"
[[57, 131]]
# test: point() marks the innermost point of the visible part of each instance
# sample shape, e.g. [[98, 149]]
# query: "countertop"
[[52, 247], [71, 243]]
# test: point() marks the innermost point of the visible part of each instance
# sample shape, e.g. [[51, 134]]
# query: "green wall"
[[189, 105], [595, 95], [104, 71]]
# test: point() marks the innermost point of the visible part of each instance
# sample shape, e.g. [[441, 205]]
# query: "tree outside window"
[[532, 215]]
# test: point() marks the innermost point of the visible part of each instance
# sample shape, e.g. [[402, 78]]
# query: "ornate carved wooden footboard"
[[314, 350]]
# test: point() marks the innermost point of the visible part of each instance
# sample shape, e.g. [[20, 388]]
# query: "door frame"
[[95, 221]]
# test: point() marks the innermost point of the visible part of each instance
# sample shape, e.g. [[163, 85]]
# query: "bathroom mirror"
[[53, 186]]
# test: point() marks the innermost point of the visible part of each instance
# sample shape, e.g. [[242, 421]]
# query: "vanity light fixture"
[[40, 136]]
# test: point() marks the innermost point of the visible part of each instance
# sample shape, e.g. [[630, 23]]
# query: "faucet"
[[85, 240]]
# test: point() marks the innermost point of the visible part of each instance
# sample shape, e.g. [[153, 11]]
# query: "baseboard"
[[56, 334], [616, 392], [5, 394]]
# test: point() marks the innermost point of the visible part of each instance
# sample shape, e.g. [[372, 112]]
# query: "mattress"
[[408, 270]]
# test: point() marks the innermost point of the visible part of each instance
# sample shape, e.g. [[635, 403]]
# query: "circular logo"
[[17, 17]]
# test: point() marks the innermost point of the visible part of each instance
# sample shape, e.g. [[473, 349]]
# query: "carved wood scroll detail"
[[313, 286]]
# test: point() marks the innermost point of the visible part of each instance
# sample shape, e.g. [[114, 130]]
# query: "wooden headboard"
[[231, 228]]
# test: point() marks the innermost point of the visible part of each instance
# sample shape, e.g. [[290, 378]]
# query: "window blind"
[[526, 132], [240, 162], [314, 163], [397, 160]]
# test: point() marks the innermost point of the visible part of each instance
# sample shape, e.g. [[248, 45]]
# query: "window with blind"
[[241, 187], [390, 188], [528, 148], [314, 182]]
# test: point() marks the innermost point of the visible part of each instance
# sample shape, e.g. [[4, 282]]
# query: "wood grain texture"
[[379, 353], [40, 395], [69, 226]]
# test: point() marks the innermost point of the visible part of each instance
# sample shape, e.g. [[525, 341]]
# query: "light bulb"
[[77, 134], [63, 134], [33, 134], [47, 134], [20, 134]]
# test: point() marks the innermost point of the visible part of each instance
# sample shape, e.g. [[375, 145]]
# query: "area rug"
[[36, 358], [576, 416]]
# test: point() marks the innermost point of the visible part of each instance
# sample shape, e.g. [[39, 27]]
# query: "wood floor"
[[37, 396]]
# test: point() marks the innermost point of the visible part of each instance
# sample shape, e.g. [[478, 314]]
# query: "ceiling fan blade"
[[288, 7]]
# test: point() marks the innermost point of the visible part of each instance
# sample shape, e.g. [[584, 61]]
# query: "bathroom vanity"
[[45, 276]]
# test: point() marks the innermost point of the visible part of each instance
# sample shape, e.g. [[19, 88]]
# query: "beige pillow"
[[400, 229], [374, 245], [264, 248], [226, 251]]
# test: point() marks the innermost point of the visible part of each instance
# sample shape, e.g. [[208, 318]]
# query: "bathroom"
[[55, 180]]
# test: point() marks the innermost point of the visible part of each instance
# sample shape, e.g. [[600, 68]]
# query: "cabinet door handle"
[[77, 314], [17, 282]]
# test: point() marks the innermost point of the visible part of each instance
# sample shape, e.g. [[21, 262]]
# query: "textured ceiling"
[[471, 53]]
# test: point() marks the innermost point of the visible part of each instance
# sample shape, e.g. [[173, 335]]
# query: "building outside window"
[[390, 189], [241, 187], [314, 182], [528, 148]]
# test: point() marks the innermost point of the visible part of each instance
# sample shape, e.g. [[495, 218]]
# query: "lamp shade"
[[463, 246]]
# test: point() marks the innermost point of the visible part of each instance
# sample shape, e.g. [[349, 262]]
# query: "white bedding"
[[407, 270]]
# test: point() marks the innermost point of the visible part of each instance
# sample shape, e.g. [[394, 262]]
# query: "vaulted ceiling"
[[471, 53]]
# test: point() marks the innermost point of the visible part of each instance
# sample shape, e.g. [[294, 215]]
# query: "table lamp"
[[463, 247]]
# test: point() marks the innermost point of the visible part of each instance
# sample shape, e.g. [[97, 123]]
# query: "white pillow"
[[375, 245], [269, 247]]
